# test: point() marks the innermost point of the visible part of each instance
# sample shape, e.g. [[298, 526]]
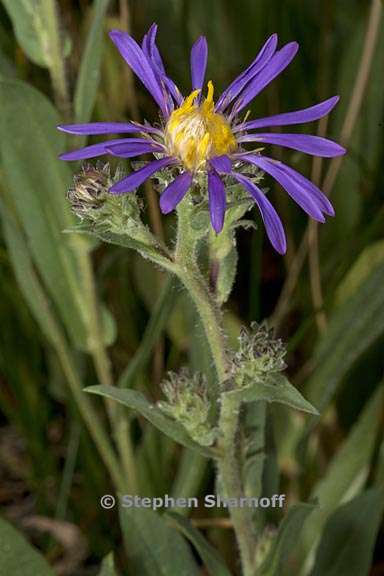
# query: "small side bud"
[[259, 354], [89, 191], [188, 403]]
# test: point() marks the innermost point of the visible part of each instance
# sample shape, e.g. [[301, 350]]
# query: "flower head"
[[197, 135]]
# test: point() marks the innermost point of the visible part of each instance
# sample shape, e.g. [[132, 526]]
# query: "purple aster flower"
[[196, 135]]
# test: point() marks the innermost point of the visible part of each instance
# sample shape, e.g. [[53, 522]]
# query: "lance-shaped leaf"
[[137, 401], [275, 388]]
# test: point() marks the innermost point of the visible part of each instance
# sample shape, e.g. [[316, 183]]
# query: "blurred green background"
[[325, 297]]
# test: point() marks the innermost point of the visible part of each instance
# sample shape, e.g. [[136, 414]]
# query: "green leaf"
[[154, 548], [89, 73], [137, 401], [212, 560], [277, 561], [26, 276], [108, 566], [147, 249], [346, 473], [276, 388], [223, 250], [35, 183], [352, 329], [18, 556], [349, 536], [370, 258], [30, 28]]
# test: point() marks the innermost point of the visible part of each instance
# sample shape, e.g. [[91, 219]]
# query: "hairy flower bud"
[[259, 353], [89, 190], [188, 403]]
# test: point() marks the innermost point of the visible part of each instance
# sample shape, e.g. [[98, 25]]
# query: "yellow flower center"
[[194, 133]]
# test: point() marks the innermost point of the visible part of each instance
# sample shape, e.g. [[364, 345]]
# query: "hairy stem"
[[231, 481], [188, 272], [211, 317]]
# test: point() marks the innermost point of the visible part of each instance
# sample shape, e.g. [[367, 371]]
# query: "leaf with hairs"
[[276, 388], [137, 401]]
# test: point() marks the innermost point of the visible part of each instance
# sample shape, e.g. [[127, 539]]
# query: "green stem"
[[231, 481], [117, 416], [211, 317], [188, 272]]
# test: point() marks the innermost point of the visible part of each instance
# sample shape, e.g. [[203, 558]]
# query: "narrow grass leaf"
[[89, 72], [348, 540], [346, 473]]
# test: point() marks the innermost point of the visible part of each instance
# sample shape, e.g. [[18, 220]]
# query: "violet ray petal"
[[150, 49], [271, 219], [93, 128], [296, 117], [262, 58], [133, 180], [154, 58], [292, 187], [174, 91], [138, 61], [153, 55], [314, 145], [319, 197], [175, 192], [217, 200], [91, 151], [199, 56], [279, 61], [221, 163], [131, 149]]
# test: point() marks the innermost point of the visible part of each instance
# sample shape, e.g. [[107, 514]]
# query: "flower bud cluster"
[[188, 403], [259, 354]]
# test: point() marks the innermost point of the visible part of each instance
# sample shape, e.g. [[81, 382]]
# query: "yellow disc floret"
[[194, 133]]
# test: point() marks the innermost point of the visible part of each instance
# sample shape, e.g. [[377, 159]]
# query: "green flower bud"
[[259, 354], [188, 403]]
